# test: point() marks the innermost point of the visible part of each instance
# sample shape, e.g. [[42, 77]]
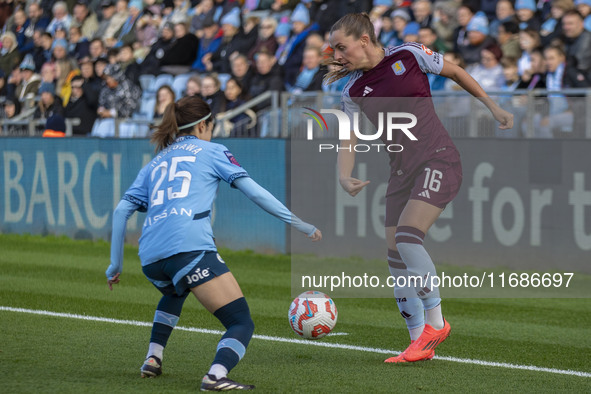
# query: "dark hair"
[[356, 25], [511, 27], [185, 111], [574, 12]]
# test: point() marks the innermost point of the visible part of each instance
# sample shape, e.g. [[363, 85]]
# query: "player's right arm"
[[346, 154], [135, 199]]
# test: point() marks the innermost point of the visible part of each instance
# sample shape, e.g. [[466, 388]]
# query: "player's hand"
[[353, 185], [505, 118], [113, 281], [317, 236]]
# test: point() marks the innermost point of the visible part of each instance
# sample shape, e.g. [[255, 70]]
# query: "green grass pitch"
[[40, 353]]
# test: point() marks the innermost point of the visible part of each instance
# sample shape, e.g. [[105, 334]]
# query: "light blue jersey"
[[177, 189]]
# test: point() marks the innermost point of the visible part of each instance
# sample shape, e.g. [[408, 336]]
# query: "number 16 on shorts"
[[432, 182]]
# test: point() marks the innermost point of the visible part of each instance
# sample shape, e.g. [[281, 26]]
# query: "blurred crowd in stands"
[[101, 60]]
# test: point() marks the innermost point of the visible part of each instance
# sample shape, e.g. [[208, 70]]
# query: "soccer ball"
[[312, 315]]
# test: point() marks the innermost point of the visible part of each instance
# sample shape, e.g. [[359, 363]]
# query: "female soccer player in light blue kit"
[[177, 250]]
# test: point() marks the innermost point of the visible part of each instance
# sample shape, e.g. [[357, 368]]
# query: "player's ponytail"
[[177, 120], [355, 25]]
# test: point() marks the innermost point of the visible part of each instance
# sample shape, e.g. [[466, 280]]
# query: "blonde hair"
[[355, 25]]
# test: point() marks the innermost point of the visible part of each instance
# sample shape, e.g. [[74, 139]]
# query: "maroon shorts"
[[437, 182]]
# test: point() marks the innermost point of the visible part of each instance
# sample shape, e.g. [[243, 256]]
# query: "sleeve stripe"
[[143, 206]]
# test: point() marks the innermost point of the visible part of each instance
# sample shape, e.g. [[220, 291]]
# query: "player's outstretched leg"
[[235, 316], [409, 241], [165, 319], [410, 306]]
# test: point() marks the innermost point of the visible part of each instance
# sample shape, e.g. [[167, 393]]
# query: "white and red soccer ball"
[[312, 315]]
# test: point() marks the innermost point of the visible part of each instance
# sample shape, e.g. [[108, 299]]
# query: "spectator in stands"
[[526, 15], [529, 39], [243, 73], [29, 81], [560, 117], [146, 31], [92, 84], [48, 73], [164, 96], [508, 38], [552, 27], [504, 13], [428, 37], [584, 7], [193, 87], [55, 127], [36, 21], [126, 33], [78, 46], [99, 67], [86, 20], [107, 12], [61, 33], [180, 55], [210, 41], [464, 14], [266, 40], [130, 67], [79, 106], [423, 12], [97, 49], [291, 57], [281, 35], [19, 18], [310, 77], [118, 19], [211, 93], [50, 104], [489, 72], [444, 22], [400, 18], [59, 49], [510, 74], [578, 50], [478, 39], [10, 57], [179, 12], [151, 63], [202, 13], [65, 70], [411, 32], [387, 32], [60, 17], [234, 42], [268, 75], [119, 98], [236, 126], [12, 108], [534, 77]]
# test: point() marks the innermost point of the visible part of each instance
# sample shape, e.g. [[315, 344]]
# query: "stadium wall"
[[523, 204], [71, 186]]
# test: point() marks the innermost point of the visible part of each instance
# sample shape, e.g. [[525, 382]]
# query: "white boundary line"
[[299, 341]]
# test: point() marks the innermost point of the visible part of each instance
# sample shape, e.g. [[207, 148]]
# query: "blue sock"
[[410, 306], [166, 317], [409, 241], [235, 316]]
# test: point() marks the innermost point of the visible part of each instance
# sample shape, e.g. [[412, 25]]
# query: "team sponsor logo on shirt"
[[398, 68], [367, 91], [427, 50], [231, 157]]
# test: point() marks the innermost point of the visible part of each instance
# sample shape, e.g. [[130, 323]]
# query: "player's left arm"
[[465, 80]]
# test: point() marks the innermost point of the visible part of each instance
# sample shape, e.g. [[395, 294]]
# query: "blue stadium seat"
[[223, 80], [146, 81], [179, 84], [162, 79]]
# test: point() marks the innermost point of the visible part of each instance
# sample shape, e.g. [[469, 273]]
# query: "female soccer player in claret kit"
[[177, 250], [424, 176]]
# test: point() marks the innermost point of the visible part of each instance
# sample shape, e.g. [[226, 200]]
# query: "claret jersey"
[[399, 84]]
